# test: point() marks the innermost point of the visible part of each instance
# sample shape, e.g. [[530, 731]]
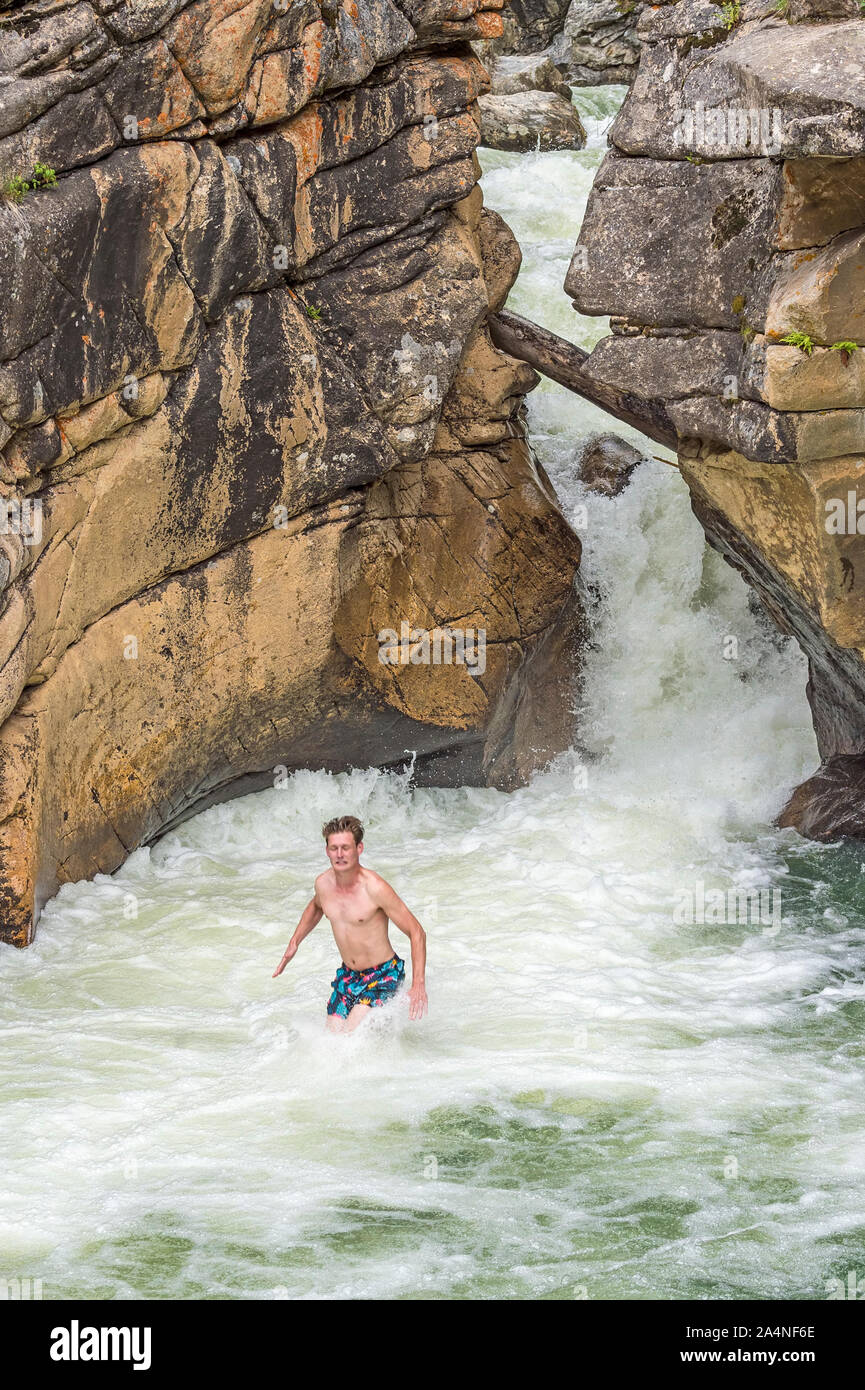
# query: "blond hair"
[[341, 823]]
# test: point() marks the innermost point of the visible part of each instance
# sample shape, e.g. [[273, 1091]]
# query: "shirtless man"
[[358, 903]]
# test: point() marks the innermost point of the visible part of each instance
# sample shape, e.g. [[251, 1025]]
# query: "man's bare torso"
[[359, 924]]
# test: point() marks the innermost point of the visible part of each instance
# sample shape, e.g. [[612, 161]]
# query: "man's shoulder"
[[323, 879], [374, 881]]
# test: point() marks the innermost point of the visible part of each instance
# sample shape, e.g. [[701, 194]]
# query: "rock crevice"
[[251, 418]]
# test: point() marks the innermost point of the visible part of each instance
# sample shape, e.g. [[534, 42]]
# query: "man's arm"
[[385, 897], [310, 917]]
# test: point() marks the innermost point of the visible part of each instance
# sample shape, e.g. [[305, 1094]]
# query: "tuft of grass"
[[732, 13], [782, 8], [17, 187], [801, 341], [313, 312], [737, 304]]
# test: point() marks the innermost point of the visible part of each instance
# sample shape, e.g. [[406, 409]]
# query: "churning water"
[[610, 1098]]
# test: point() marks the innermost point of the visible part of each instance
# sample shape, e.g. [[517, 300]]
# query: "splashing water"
[[605, 1101]]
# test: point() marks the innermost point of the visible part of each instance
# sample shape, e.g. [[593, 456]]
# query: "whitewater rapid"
[[603, 1102]]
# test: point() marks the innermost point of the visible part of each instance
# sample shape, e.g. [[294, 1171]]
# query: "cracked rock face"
[[600, 41], [590, 42], [251, 420], [726, 234]]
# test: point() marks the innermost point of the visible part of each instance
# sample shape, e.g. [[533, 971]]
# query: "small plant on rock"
[[732, 13], [801, 341], [313, 313], [782, 8], [845, 348], [747, 330], [42, 176], [17, 187]]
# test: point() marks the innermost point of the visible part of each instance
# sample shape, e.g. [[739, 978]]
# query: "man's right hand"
[[290, 952]]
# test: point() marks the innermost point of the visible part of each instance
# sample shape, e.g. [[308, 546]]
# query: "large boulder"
[[533, 72], [530, 121], [773, 89]]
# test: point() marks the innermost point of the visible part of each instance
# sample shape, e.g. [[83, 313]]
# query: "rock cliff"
[[590, 42], [251, 419], [725, 234]]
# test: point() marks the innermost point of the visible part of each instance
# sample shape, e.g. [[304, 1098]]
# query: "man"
[[358, 903]]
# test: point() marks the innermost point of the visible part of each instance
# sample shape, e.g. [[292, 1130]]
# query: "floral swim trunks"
[[375, 985]]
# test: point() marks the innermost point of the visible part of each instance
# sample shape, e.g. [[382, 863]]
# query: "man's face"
[[342, 851]]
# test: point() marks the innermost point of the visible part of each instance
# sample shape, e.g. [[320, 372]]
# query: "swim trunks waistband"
[[364, 969]]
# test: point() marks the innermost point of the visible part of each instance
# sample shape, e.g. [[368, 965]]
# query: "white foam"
[[177, 1120]]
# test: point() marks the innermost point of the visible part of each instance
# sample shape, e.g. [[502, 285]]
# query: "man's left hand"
[[417, 1001]]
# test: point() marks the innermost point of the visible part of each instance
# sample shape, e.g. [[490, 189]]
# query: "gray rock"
[[532, 72], [529, 121], [668, 367], [529, 25], [675, 244], [599, 41], [776, 90], [606, 464]]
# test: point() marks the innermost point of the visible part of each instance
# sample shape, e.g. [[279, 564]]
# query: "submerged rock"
[[606, 464], [530, 121]]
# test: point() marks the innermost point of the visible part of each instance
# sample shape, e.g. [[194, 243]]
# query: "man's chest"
[[355, 909]]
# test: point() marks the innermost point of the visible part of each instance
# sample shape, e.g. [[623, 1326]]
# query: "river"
[[609, 1099]]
